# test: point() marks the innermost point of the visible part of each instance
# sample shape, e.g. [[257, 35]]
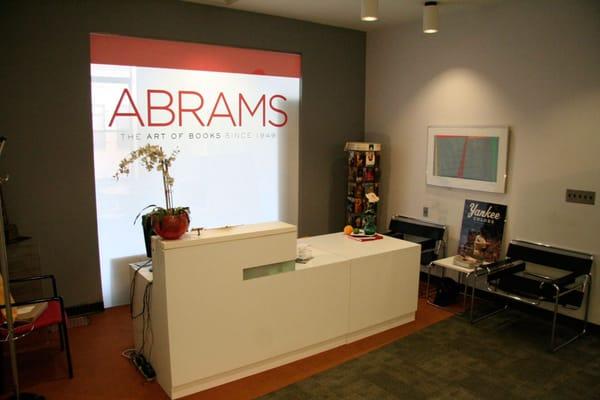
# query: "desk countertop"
[[228, 233], [448, 263], [144, 269], [339, 244]]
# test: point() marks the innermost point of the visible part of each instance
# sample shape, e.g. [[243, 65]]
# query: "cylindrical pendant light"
[[430, 17], [369, 10]]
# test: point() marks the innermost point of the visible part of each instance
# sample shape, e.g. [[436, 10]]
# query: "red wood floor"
[[102, 373]]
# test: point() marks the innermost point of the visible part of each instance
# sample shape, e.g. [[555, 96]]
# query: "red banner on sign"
[[140, 52]]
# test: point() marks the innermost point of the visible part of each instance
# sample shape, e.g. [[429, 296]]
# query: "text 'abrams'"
[[164, 108]]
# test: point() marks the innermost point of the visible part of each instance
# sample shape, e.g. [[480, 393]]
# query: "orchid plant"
[[372, 199], [370, 212], [154, 157]]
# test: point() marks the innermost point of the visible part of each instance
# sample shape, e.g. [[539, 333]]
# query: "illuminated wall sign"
[[233, 114]]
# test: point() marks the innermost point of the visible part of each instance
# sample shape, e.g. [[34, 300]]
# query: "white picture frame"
[[480, 164]]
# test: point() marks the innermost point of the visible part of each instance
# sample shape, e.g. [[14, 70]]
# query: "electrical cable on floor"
[[136, 356], [129, 353]]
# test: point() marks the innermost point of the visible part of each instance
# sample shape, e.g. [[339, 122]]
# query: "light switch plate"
[[580, 196]]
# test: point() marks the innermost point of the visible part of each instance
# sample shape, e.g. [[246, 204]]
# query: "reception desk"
[[232, 302]]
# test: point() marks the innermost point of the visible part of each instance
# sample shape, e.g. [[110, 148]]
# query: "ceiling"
[[342, 13]]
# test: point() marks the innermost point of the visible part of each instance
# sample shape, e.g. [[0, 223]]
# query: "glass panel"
[[268, 270]]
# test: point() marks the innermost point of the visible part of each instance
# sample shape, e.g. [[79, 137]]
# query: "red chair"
[[54, 314]]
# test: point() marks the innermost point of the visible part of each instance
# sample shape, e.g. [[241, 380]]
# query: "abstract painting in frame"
[[472, 157]]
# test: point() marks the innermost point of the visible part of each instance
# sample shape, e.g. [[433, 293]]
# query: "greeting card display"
[[362, 178], [482, 230]]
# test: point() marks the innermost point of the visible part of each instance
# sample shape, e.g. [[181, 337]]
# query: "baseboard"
[[84, 309], [384, 326]]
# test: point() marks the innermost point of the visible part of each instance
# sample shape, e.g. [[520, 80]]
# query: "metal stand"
[[470, 284], [472, 319], [9, 317], [467, 275], [587, 285]]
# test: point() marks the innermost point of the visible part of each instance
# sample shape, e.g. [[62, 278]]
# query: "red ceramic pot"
[[171, 227]]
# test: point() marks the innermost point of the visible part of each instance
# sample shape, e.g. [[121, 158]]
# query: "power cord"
[[139, 361], [136, 356], [146, 264]]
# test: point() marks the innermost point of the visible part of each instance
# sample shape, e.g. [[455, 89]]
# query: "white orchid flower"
[[372, 197]]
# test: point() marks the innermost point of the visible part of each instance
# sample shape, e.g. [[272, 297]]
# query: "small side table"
[[469, 274]]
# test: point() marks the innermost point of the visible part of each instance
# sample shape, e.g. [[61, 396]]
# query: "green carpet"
[[503, 357]]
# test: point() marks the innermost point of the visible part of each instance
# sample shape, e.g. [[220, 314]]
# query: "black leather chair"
[[429, 235], [535, 274]]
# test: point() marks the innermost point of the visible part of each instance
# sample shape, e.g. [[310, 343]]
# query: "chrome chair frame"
[[583, 285]]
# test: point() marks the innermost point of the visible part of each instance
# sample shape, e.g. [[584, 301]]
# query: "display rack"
[[363, 174]]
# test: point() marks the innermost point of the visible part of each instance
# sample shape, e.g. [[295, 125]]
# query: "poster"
[[482, 230]]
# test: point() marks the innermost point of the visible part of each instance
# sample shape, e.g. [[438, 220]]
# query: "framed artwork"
[[472, 157]]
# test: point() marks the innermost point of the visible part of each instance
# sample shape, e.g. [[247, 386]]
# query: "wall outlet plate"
[[580, 196]]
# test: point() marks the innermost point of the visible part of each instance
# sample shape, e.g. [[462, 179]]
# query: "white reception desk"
[[232, 302]]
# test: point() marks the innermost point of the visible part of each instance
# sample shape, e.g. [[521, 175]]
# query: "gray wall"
[[45, 103], [530, 64]]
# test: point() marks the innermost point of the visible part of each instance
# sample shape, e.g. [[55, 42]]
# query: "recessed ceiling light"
[[369, 10], [430, 17]]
